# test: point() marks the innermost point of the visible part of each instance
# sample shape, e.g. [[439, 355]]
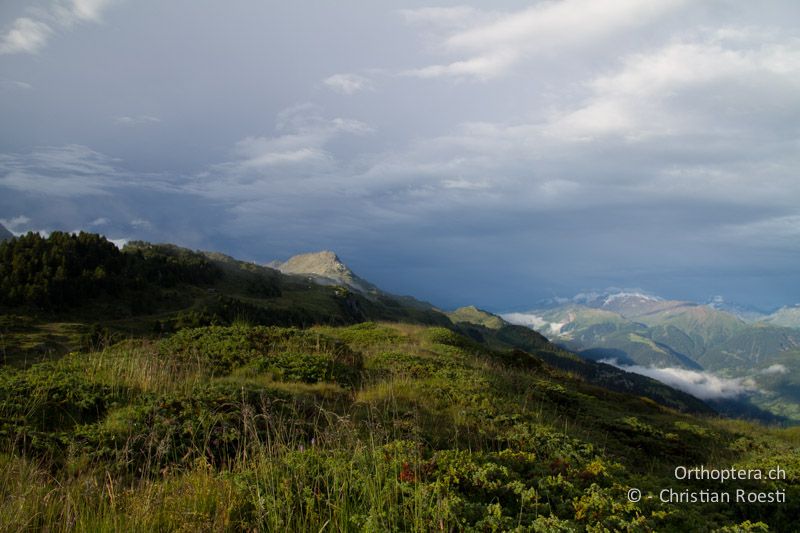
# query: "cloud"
[[447, 17], [775, 369], [526, 319], [463, 184], [700, 117], [495, 43], [268, 165], [25, 36], [15, 224], [609, 143], [483, 66], [681, 87], [30, 35], [15, 84], [348, 83], [141, 224], [89, 10], [72, 171], [102, 221], [20, 225], [703, 385], [537, 323], [136, 120], [770, 231]]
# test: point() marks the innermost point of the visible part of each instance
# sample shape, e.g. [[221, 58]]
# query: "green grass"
[[238, 428]]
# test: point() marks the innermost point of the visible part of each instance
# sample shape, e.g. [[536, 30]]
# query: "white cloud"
[[30, 35], [703, 385], [266, 165], [136, 120], [304, 143], [15, 225], [102, 221], [775, 369], [496, 43], [537, 323], [526, 319], [142, 224], [483, 66], [348, 83], [25, 36], [463, 184], [71, 12], [683, 86], [90, 10]]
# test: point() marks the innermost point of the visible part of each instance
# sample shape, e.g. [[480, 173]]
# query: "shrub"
[[291, 354]]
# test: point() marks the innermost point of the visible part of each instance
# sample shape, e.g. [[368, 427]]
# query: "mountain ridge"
[[646, 332], [326, 267]]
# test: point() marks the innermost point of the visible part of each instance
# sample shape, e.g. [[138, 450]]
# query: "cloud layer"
[[462, 153], [703, 385]]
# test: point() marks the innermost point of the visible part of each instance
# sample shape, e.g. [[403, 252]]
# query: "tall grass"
[[436, 436], [340, 480], [137, 366]]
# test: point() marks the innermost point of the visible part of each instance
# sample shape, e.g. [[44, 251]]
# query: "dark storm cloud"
[[462, 154]]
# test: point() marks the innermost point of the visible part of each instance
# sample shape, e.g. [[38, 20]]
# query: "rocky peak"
[[326, 267]]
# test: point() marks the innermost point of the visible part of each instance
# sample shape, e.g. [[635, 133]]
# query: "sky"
[[490, 153]]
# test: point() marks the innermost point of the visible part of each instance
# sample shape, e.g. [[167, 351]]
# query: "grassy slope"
[[473, 315], [244, 291], [367, 427]]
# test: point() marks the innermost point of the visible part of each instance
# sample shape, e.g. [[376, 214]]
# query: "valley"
[[757, 356]]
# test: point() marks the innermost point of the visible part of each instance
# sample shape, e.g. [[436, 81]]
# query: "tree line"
[[65, 270]]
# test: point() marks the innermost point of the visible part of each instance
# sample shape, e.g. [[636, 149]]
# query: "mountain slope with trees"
[[205, 393]]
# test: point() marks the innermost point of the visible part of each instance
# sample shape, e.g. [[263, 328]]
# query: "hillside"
[[4, 233], [699, 342], [788, 317], [151, 290], [53, 305], [473, 315], [188, 390], [368, 427]]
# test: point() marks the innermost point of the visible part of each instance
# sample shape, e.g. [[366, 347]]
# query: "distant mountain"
[[493, 331], [473, 315], [327, 269], [788, 317], [4, 233], [631, 304], [641, 331], [748, 313]]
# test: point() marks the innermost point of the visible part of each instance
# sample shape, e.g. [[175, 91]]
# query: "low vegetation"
[[372, 427], [252, 401]]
